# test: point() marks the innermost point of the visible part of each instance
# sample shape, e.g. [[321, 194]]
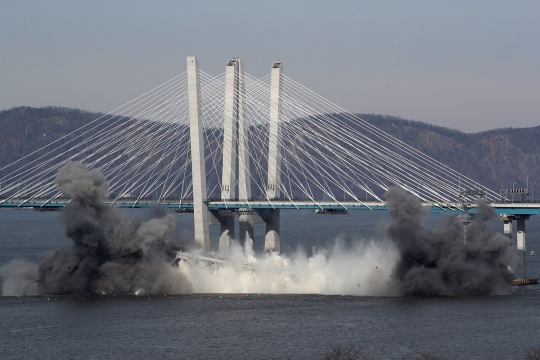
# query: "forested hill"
[[496, 158], [25, 129]]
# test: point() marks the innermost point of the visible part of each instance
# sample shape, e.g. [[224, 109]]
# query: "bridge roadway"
[[187, 206]]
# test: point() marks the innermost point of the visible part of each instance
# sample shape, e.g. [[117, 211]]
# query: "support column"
[[230, 132], [225, 220], [200, 208], [246, 222], [274, 141], [226, 230], [466, 220], [507, 230], [521, 246], [272, 238]]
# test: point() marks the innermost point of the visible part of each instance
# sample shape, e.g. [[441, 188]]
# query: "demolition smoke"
[[110, 254], [438, 262]]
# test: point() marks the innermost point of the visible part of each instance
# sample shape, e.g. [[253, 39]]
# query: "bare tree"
[[533, 354], [346, 352]]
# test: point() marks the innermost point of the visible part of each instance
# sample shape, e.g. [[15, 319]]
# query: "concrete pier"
[[521, 247], [246, 222], [225, 221], [507, 230], [507, 226], [226, 233], [200, 209], [272, 240], [466, 220]]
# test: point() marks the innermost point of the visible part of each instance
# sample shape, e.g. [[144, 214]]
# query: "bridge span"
[[456, 208]]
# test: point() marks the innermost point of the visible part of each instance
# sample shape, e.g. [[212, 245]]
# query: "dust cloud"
[[112, 254], [438, 261], [363, 269]]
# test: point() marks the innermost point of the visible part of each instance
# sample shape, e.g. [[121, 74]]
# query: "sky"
[[467, 65]]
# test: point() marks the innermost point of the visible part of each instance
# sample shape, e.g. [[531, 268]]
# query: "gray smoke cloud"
[[110, 253], [438, 262]]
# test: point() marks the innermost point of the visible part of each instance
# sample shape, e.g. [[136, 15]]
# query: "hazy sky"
[[470, 65]]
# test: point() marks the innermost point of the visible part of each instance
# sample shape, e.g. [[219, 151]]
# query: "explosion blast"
[[112, 254], [438, 262]]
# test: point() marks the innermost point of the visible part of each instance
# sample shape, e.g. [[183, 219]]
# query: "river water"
[[285, 327]]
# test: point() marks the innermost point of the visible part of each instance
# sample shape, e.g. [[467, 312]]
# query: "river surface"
[[289, 327]]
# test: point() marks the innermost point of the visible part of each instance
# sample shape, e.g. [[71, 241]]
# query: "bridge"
[[186, 206], [236, 146]]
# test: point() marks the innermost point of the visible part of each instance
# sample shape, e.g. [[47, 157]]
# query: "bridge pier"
[[272, 239], [226, 231], [521, 246], [466, 220], [226, 228], [507, 226], [507, 231], [246, 222]]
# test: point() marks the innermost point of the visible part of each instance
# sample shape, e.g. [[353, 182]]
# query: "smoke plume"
[[439, 262], [110, 254]]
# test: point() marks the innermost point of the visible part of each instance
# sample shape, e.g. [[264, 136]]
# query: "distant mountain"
[[25, 129], [496, 158]]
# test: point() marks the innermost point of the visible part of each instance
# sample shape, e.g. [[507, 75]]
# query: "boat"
[[533, 253]]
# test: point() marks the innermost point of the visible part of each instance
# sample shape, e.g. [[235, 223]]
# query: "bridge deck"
[[454, 207]]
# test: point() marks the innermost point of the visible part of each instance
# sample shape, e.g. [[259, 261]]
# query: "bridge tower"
[[246, 220], [198, 170], [235, 155], [230, 151], [272, 238], [244, 176]]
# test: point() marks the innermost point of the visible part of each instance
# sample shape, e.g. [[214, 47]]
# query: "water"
[[288, 327]]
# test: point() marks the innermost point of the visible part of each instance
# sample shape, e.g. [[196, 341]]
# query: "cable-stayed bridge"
[[236, 145]]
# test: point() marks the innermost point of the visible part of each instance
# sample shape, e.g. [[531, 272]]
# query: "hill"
[[496, 158]]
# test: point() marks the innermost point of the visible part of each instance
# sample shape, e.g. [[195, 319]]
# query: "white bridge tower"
[[236, 178]]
